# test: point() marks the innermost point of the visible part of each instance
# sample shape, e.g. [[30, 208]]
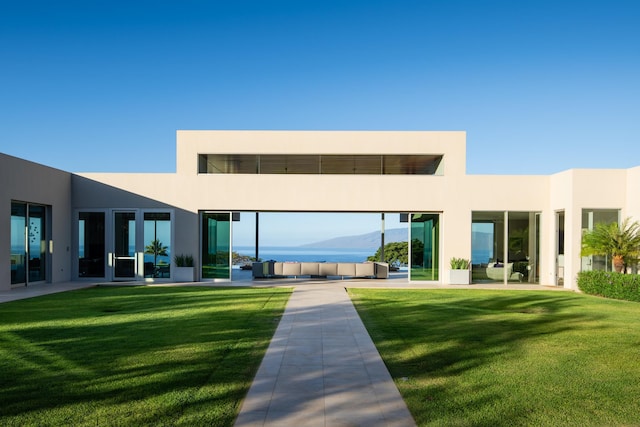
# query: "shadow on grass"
[[481, 357], [145, 356]]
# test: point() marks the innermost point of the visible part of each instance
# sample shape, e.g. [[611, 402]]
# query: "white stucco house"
[[60, 226]]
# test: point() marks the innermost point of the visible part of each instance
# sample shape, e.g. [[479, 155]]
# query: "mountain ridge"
[[361, 241]]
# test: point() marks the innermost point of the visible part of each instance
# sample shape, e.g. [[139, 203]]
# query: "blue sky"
[[539, 86], [293, 229]]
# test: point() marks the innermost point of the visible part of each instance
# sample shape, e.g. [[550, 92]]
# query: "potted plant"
[[459, 273], [184, 271]]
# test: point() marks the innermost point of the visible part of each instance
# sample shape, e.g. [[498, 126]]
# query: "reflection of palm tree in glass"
[[156, 249]]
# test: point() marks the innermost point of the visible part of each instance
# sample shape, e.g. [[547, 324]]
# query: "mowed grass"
[[508, 358], [161, 356]]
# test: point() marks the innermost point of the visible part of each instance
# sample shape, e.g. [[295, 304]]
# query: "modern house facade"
[[60, 226]]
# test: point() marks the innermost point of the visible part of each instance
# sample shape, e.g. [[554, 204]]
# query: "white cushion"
[[346, 269], [365, 269], [291, 269], [309, 269], [328, 269]]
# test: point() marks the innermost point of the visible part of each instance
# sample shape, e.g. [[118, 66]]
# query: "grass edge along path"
[[134, 355], [499, 358]]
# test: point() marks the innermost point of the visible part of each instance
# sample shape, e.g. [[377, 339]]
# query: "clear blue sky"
[[539, 86]]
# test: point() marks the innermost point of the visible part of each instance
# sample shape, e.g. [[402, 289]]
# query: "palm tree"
[[621, 243], [156, 249]]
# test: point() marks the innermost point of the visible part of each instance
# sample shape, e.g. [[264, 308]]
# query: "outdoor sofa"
[[271, 269], [495, 271]]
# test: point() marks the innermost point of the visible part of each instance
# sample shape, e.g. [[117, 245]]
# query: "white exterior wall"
[[633, 194], [454, 194], [593, 189], [578, 189], [30, 182], [191, 143], [560, 200]]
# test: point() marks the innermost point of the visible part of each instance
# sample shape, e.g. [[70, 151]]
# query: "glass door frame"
[[436, 248], [106, 239], [170, 242], [109, 243], [560, 247], [516, 247], [45, 243], [203, 257], [137, 246]]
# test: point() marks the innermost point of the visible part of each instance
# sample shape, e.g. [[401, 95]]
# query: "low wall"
[[377, 270]]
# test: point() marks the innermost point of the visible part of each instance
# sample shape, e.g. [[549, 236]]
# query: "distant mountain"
[[362, 241]]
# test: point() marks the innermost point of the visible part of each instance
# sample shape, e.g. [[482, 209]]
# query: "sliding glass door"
[[18, 243], [124, 243], [425, 247], [29, 254], [505, 247], [157, 245], [216, 245], [37, 243], [91, 244]]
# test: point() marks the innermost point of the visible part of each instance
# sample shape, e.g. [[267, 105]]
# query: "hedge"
[[610, 284]]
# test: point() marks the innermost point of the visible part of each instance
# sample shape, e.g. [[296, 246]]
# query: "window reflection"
[[425, 246], [91, 244], [157, 245], [216, 245]]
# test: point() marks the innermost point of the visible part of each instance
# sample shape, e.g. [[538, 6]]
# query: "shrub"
[[183, 260], [610, 284], [459, 264], [395, 253]]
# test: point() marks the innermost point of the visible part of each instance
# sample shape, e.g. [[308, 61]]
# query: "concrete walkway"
[[322, 369], [40, 289]]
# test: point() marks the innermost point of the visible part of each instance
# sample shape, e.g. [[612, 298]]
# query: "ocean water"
[[294, 253], [285, 254], [479, 256], [161, 259]]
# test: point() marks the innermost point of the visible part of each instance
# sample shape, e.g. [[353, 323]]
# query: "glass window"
[[425, 246], [28, 242], [359, 164], [487, 246], [491, 260], [289, 164], [560, 248], [523, 246], [346, 165], [37, 243], [216, 245], [18, 242], [482, 242], [228, 163], [124, 224], [157, 245], [591, 217], [91, 244]]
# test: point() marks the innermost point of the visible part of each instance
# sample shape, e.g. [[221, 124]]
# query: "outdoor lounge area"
[[272, 269]]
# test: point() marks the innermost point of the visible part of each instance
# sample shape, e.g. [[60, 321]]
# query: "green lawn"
[[133, 355], [505, 358]]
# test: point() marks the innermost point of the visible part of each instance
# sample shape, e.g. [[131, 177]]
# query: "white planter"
[[183, 274], [459, 277]]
